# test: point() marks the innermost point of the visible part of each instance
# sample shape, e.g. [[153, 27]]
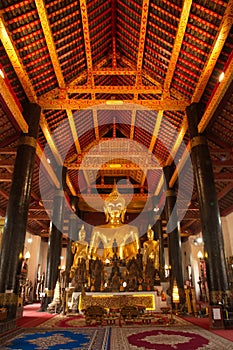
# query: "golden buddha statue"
[[80, 250], [115, 236], [150, 250]]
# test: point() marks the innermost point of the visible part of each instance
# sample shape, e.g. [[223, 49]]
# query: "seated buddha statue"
[[151, 250], [114, 232]]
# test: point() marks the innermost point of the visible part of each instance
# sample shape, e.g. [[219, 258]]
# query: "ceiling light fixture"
[[2, 74], [114, 102], [115, 166], [221, 76]]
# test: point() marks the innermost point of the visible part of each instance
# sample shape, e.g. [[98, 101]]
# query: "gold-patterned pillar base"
[[8, 306]]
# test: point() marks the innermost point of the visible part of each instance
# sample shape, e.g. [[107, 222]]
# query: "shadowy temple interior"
[[116, 174]]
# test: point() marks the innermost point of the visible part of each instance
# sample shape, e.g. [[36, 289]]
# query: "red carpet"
[[205, 323], [31, 316]]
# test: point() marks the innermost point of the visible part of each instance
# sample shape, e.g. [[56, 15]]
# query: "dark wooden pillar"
[[72, 235], [209, 211], [158, 229], [17, 213], [54, 246], [174, 242]]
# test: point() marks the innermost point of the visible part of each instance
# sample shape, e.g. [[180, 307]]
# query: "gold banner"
[[28, 140], [198, 140]]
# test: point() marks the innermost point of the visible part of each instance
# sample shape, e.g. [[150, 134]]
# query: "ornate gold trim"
[[198, 140], [50, 293], [27, 140]]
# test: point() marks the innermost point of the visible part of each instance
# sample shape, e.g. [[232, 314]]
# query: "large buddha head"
[[114, 207]]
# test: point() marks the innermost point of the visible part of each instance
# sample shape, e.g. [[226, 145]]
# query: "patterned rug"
[[82, 339], [167, 338], [61, 321]]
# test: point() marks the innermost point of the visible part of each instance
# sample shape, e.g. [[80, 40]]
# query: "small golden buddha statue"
[[80, 250], [115, 232], [151, 250]]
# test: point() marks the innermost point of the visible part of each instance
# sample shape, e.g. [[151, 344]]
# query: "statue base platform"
[[148, 300]]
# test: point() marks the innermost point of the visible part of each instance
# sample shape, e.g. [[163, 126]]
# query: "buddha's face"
[[150, 234], [115, 210]]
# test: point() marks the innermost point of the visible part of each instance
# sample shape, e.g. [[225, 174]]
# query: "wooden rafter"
[[102, 89], [114, 60], [216, 49], [225, 190], [12, 105], [24, 79], [16, 61], [138, 80], [57, 69], [218, 95], [168, 79], [49, 40], [90, 81], [221, 88], [65, 103], [144, 72], [73, 131], [177, 44], [114, 71], [86, 34]]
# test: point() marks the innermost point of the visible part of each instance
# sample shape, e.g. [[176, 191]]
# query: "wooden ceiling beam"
[[8, 151], [58, 72], [12, 104], [217, 96], [33, 216], [94, 166], [16, 61], [6, 163], [226, 151], [29, 90], [114, 58], [138, 81], [215, 51], [221, 36], [223, 163], [225, 177], [227, 211], [225, 191], [5, 177], [4, 194], [114, 71], [49, 41], [86, 34], [144, 72], [73, 104], [109, 89], [177, 43]]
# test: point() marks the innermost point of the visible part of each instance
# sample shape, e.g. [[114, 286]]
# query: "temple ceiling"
[[113, 79]]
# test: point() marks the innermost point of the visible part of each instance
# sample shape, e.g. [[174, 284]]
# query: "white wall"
[[227, 229], [34, 249]]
